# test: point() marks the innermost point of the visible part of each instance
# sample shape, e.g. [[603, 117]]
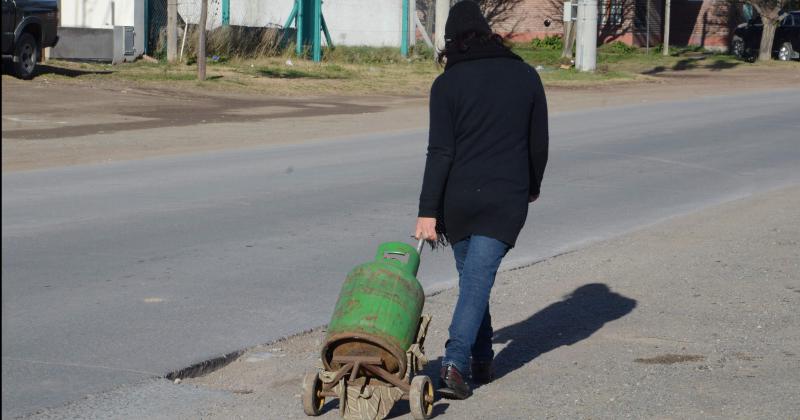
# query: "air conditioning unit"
[[124, 50]]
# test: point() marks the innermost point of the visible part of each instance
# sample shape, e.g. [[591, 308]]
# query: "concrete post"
[[578, 28], [172, 30], [667, 8], [442, 10], [587, 15]]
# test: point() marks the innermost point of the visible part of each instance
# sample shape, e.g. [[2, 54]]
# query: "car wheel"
[[785, 53], [26, 56], [738, 48]]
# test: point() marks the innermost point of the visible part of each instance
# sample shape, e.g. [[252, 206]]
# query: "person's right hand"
[[426, 228]]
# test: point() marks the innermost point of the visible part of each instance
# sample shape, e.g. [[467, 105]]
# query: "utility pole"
[[666, 27], [586, 58], [201, 41], [172, 30], [442, 10]]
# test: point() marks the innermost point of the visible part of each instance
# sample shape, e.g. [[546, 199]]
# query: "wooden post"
[[172, 30], [201, 42]]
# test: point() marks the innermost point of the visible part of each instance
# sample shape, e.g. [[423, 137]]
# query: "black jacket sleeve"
[[538, 138], [441, 148]]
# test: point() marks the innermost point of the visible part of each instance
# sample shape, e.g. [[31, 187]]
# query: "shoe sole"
[[451, 394]]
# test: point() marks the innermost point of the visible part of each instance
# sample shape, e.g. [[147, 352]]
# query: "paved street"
[[116, 273]]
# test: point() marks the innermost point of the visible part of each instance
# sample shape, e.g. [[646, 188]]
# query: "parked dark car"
[[786, 45], [29, 26]]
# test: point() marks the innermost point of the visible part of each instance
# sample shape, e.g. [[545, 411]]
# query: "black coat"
[[487, 148]]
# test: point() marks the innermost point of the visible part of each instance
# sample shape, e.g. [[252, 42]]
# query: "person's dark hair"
[[461, 44]]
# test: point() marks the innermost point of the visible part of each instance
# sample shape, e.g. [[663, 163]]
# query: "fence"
[[188, 13]]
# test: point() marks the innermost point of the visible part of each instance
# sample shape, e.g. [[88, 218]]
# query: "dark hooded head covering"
[[465, 16], [468, 36]]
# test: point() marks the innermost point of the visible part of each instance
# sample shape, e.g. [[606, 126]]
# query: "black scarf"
[[476, 49]]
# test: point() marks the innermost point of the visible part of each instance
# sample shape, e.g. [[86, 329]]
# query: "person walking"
[[487, 152]]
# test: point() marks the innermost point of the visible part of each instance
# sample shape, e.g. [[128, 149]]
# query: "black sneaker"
[[452, 384], [482, 372]]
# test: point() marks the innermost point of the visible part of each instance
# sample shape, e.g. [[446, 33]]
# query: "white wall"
[[100, 14], [351, 22], [189, 11], [105, 14], [359, 22]]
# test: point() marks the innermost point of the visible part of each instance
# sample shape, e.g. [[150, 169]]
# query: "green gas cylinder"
[[378, 310]]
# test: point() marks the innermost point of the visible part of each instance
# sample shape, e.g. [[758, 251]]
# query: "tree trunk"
[[767, 37], [201, 41]]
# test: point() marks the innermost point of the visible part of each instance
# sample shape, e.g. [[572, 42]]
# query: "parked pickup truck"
[[786, 45], [29, 26]]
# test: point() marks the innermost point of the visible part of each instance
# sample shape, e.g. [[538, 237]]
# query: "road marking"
[[16, 119]]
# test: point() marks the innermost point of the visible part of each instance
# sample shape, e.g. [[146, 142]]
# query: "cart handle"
[[420, 245]]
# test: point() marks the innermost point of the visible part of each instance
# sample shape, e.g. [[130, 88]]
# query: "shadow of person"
[[576, 317]]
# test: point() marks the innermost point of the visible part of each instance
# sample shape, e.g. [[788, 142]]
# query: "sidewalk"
[[695, 317]]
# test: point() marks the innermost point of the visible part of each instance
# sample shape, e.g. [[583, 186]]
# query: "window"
[[611, 12]]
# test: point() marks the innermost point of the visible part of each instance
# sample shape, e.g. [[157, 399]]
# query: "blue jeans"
[[477, 261]]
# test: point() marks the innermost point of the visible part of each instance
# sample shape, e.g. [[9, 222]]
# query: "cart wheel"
[[312, 401], [420, 397]]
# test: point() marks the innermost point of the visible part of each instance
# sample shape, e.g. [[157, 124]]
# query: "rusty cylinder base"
[[359, 345]]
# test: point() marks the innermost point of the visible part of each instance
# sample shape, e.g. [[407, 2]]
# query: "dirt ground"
[[48, 123]]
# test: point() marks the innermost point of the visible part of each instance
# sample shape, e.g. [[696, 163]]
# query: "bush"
[[548, 43], [619, 47], [230, 41]]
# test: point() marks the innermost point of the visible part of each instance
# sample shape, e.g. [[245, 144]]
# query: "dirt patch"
[[158, 109], [670, 359]]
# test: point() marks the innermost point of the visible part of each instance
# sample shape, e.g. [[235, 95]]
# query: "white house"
[[87, 26]]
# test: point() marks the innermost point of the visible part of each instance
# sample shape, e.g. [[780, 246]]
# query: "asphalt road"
[[116, 273]]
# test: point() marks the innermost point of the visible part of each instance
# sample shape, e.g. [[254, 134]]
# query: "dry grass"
[[368, 71]]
